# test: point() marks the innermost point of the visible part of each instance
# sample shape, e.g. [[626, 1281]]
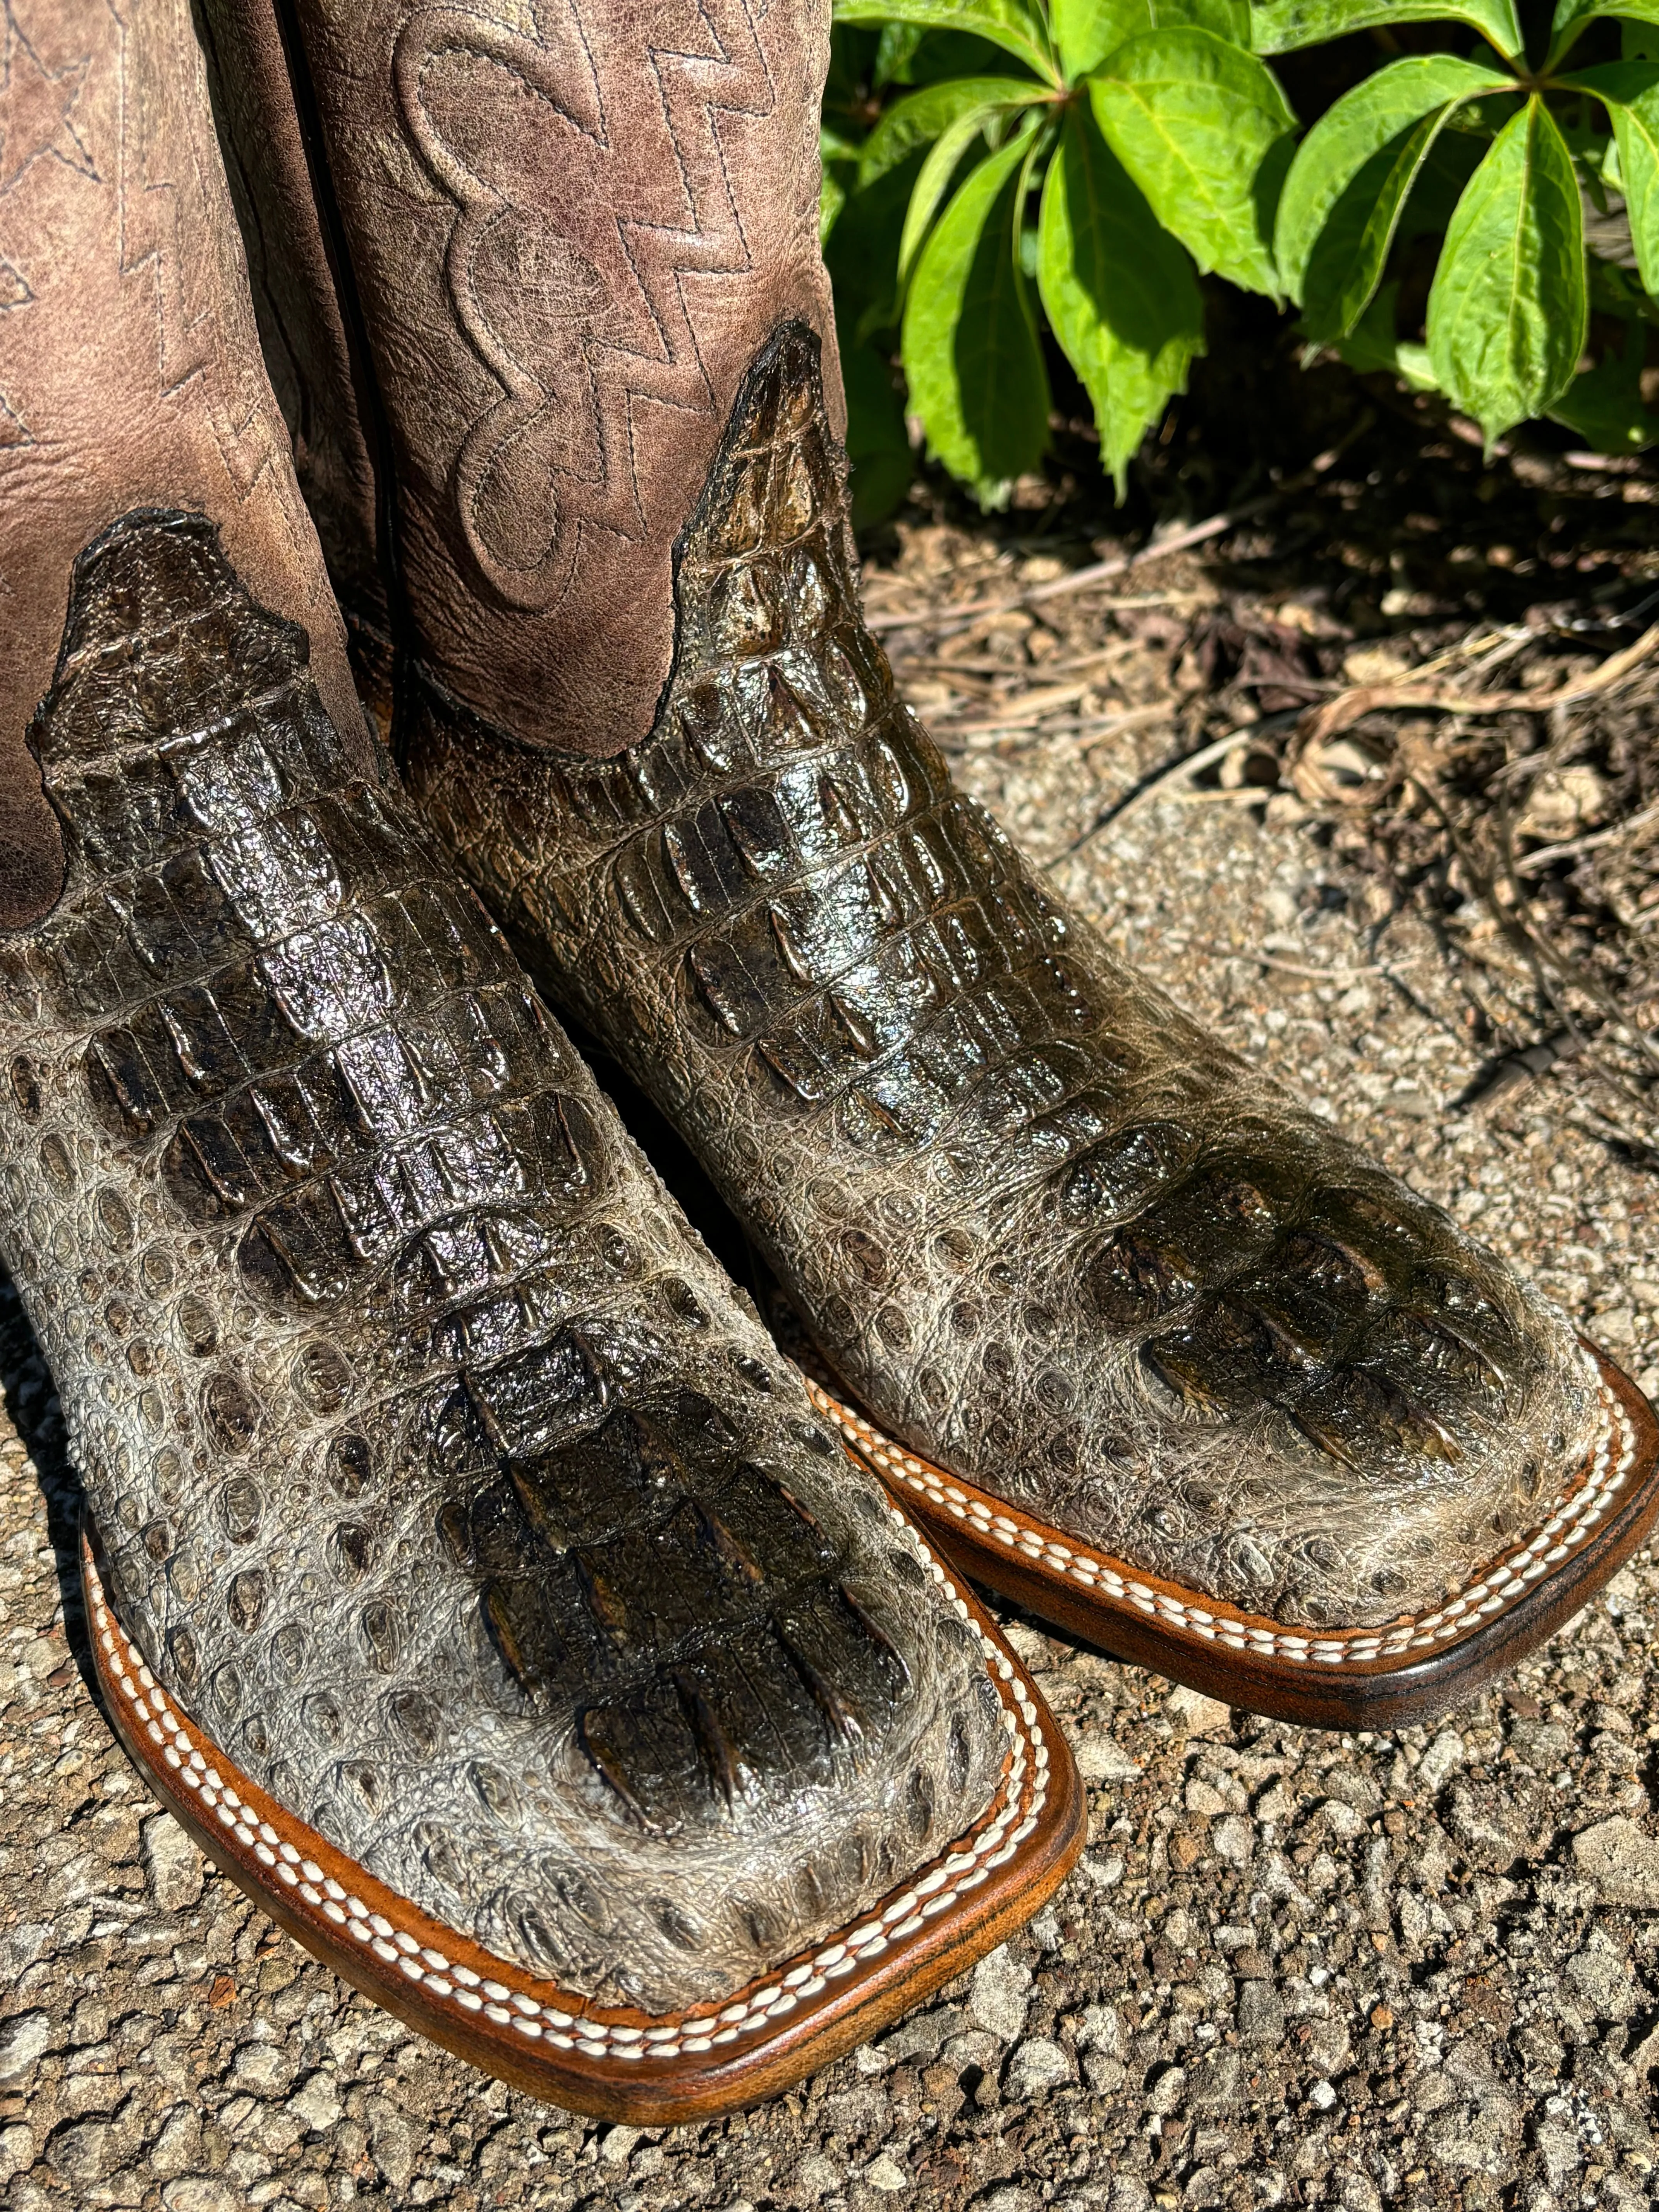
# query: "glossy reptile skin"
[[1055, 1236], [436, 1468]]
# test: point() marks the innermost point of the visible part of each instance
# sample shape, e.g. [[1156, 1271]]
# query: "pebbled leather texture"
[[1052, 1234], [437, 1469]]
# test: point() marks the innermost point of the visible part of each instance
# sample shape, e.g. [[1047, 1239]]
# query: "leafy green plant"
[[995, 165]]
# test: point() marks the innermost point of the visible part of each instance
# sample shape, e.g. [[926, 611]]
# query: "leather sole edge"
[[607, 2061], [1391, 1677]]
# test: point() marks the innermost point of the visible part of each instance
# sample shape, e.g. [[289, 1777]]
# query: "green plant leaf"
[[934, 182], [879, 461], [1040, 135], [1204, 131], [1086, 31], [1574, 17], [1629, 93], [1347, 259], [925, 116], [1281, 25], [895, 52], [1510, 303], [1373, 344], [1348, 182], [1119, 292], [971, 355], [1604, 406], [1016, 28]]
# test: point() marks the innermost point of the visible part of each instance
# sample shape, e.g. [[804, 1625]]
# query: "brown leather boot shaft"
[[299, 300], [569, 240], [129, 368]]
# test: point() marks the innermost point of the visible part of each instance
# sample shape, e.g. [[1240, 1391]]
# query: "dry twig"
[[1322, 723], [1098, 725], [1191, 764], [961, 612], [1545, 856]]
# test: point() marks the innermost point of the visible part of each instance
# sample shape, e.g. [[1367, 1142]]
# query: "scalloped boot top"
[[1163, 1354], [467, 1569]]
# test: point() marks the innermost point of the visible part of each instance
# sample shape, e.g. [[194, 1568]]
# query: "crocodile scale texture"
[[1055, 1235], [437, 1468]]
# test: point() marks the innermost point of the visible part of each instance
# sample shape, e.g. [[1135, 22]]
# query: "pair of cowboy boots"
[[466, 1564]]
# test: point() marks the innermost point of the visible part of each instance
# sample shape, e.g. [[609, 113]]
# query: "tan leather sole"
[[612, 2063], [1389, 1677]]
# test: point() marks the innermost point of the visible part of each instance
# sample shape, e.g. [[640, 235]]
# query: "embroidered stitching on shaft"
[[694, 89]]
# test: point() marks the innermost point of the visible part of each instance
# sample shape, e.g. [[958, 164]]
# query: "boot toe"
[[671, 1705], [435, 1464], [1274, 1374]]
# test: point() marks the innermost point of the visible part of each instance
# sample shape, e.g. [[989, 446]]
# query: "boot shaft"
[[130, 375], [570, 245]]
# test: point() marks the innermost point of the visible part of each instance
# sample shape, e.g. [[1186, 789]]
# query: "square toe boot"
[[1168, 1357], [1157, 1351], [466, 1569]]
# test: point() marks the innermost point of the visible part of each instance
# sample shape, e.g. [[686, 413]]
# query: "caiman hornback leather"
[[437, 1470], [1055, 1236]]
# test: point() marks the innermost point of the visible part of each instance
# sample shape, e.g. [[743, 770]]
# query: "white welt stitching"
[[1020, 1800], [1508, 1579]]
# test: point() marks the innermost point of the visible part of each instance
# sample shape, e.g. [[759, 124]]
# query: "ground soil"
[[1294, 1967]]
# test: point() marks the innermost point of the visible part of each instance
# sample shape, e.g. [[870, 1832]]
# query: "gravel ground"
[[1293, 1967]]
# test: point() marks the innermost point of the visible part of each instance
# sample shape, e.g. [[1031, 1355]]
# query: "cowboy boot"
[[466, 1568], [1177, 1364]]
